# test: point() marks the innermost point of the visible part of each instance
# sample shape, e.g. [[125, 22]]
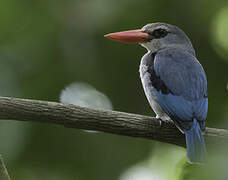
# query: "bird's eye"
[[159, 33]]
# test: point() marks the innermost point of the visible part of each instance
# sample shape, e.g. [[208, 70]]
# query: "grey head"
[[162, 35]]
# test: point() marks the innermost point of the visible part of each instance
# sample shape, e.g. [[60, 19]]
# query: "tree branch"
[[100, 120], [3, 171]]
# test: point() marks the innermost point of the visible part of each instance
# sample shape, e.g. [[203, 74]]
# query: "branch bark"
[[120, 123]]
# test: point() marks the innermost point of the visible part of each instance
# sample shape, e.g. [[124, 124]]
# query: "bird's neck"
[[181, 47]]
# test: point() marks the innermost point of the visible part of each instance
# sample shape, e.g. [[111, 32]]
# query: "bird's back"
[[179, 85]]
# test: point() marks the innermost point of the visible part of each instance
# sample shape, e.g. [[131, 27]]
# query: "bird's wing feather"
[[186, 82]]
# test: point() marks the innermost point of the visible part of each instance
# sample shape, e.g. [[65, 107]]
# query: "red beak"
[[132, 36]]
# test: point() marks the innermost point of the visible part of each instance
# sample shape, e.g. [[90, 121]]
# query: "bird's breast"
[[149, 89]]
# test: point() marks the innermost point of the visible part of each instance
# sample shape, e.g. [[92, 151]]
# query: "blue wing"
[[186, 96]]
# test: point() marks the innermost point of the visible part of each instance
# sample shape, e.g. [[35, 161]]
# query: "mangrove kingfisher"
[[174, 81]]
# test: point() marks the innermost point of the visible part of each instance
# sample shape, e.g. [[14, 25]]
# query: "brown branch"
[[99, 120], [3, 171]]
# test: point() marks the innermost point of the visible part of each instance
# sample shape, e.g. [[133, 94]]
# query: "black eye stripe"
[[159, 33]]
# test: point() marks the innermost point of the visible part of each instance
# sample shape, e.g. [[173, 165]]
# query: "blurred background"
[[52, 50]]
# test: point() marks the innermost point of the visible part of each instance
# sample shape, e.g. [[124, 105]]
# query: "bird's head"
[[155, 37]]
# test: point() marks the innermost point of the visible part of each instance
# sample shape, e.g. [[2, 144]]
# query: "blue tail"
[[196, 150]]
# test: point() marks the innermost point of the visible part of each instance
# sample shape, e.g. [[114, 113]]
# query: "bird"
[[173, 80]]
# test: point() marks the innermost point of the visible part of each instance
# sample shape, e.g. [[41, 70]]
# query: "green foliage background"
[[45, 45]]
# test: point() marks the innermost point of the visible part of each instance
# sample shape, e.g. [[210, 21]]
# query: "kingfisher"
[[173, 80]]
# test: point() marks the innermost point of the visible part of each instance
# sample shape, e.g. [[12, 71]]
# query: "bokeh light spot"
[[219, 32], [141, 173], [154, 167], [85, 95]]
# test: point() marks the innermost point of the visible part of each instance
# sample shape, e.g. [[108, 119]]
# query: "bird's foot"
[[160, 121]]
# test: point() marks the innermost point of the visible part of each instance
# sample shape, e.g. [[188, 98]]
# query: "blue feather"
[[196, 150], [175, 106], [200, 108], [185, 97]]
